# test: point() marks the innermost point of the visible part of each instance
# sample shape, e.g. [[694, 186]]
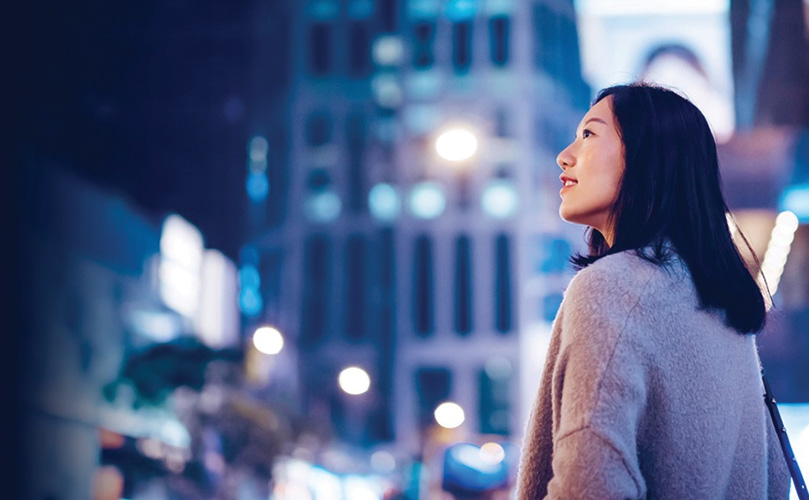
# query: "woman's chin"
[[567, 216]]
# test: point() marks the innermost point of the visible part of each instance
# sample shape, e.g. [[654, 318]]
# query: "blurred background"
[[309, 249]]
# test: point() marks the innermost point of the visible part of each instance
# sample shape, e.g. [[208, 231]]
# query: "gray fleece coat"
[[644, 395]]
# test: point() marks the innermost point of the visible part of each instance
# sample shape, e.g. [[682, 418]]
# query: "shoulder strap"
[[781, 431]]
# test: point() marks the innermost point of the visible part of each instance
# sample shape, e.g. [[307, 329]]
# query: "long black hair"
[[670, 195]]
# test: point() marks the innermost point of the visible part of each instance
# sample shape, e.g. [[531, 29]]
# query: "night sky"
[[154, 100]]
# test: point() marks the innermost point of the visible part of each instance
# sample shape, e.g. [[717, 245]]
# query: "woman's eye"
[[585, 134]]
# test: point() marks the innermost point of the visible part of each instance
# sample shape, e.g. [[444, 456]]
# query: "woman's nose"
[[564, 159]]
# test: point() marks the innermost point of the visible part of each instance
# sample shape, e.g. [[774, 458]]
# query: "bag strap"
[[781, 431]]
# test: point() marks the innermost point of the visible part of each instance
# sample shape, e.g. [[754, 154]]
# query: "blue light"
[[257, 186], [421, 9], [324, 9], [249, 254], [500, 199], [461, 10], [795, 198], [249, 277], [323, 206], [250, 301], [466, 470], [359, 9], [427, 200], [384, 203]]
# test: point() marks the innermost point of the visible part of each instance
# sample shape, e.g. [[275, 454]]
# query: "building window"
[[501, 123], [270, 266], [355, 133], [320, 49], [355, 296], [547, 34], [359, 49], [495, 398], [433, 386], [318, 128], [423, 286], [499, 28], [423, 40], [462, 46], [502, 285], [383, 329], [463, 286], [318, 179], [316, 289], [387, 15]]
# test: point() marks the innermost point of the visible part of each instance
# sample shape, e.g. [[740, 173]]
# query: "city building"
[[419, 238]]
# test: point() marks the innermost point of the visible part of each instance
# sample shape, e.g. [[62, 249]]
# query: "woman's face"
[[592, 166]]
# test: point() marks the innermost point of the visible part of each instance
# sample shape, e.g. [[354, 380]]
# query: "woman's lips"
[[567, 184]]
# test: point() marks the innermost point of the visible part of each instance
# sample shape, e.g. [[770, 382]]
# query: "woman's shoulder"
[[619, 269], [623, 277]]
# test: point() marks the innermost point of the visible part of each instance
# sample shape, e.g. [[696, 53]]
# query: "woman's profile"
[[652, 385]]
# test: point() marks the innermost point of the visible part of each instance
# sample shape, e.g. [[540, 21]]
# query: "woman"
[[652, 387]]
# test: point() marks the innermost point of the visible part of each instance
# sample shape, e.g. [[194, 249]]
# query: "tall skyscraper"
[[420, 240]]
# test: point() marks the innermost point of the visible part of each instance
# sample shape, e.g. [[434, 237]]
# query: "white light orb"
[[268, 340], [383, 202], [787, 221], [354, 380], [387, 91], [456, 144], [258, 149], [492, 453], [500, 199], [323, 206], [427, 200], [498, 368], [383, 462], [449, 415], [387, 50]]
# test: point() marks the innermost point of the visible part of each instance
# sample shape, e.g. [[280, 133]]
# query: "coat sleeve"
[[599, 393], [588, 466]]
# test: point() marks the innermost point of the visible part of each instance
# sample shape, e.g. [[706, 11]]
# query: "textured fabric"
[[644, 395]]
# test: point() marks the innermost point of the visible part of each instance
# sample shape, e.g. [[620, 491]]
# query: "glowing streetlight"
[[268, 340], [456, 144], [354, 380], [449, 415], [775, 257]]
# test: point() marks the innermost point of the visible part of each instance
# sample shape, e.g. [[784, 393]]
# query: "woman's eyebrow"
[[595, 119]]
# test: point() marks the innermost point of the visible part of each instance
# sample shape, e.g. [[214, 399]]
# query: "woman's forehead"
[[602, 109]]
